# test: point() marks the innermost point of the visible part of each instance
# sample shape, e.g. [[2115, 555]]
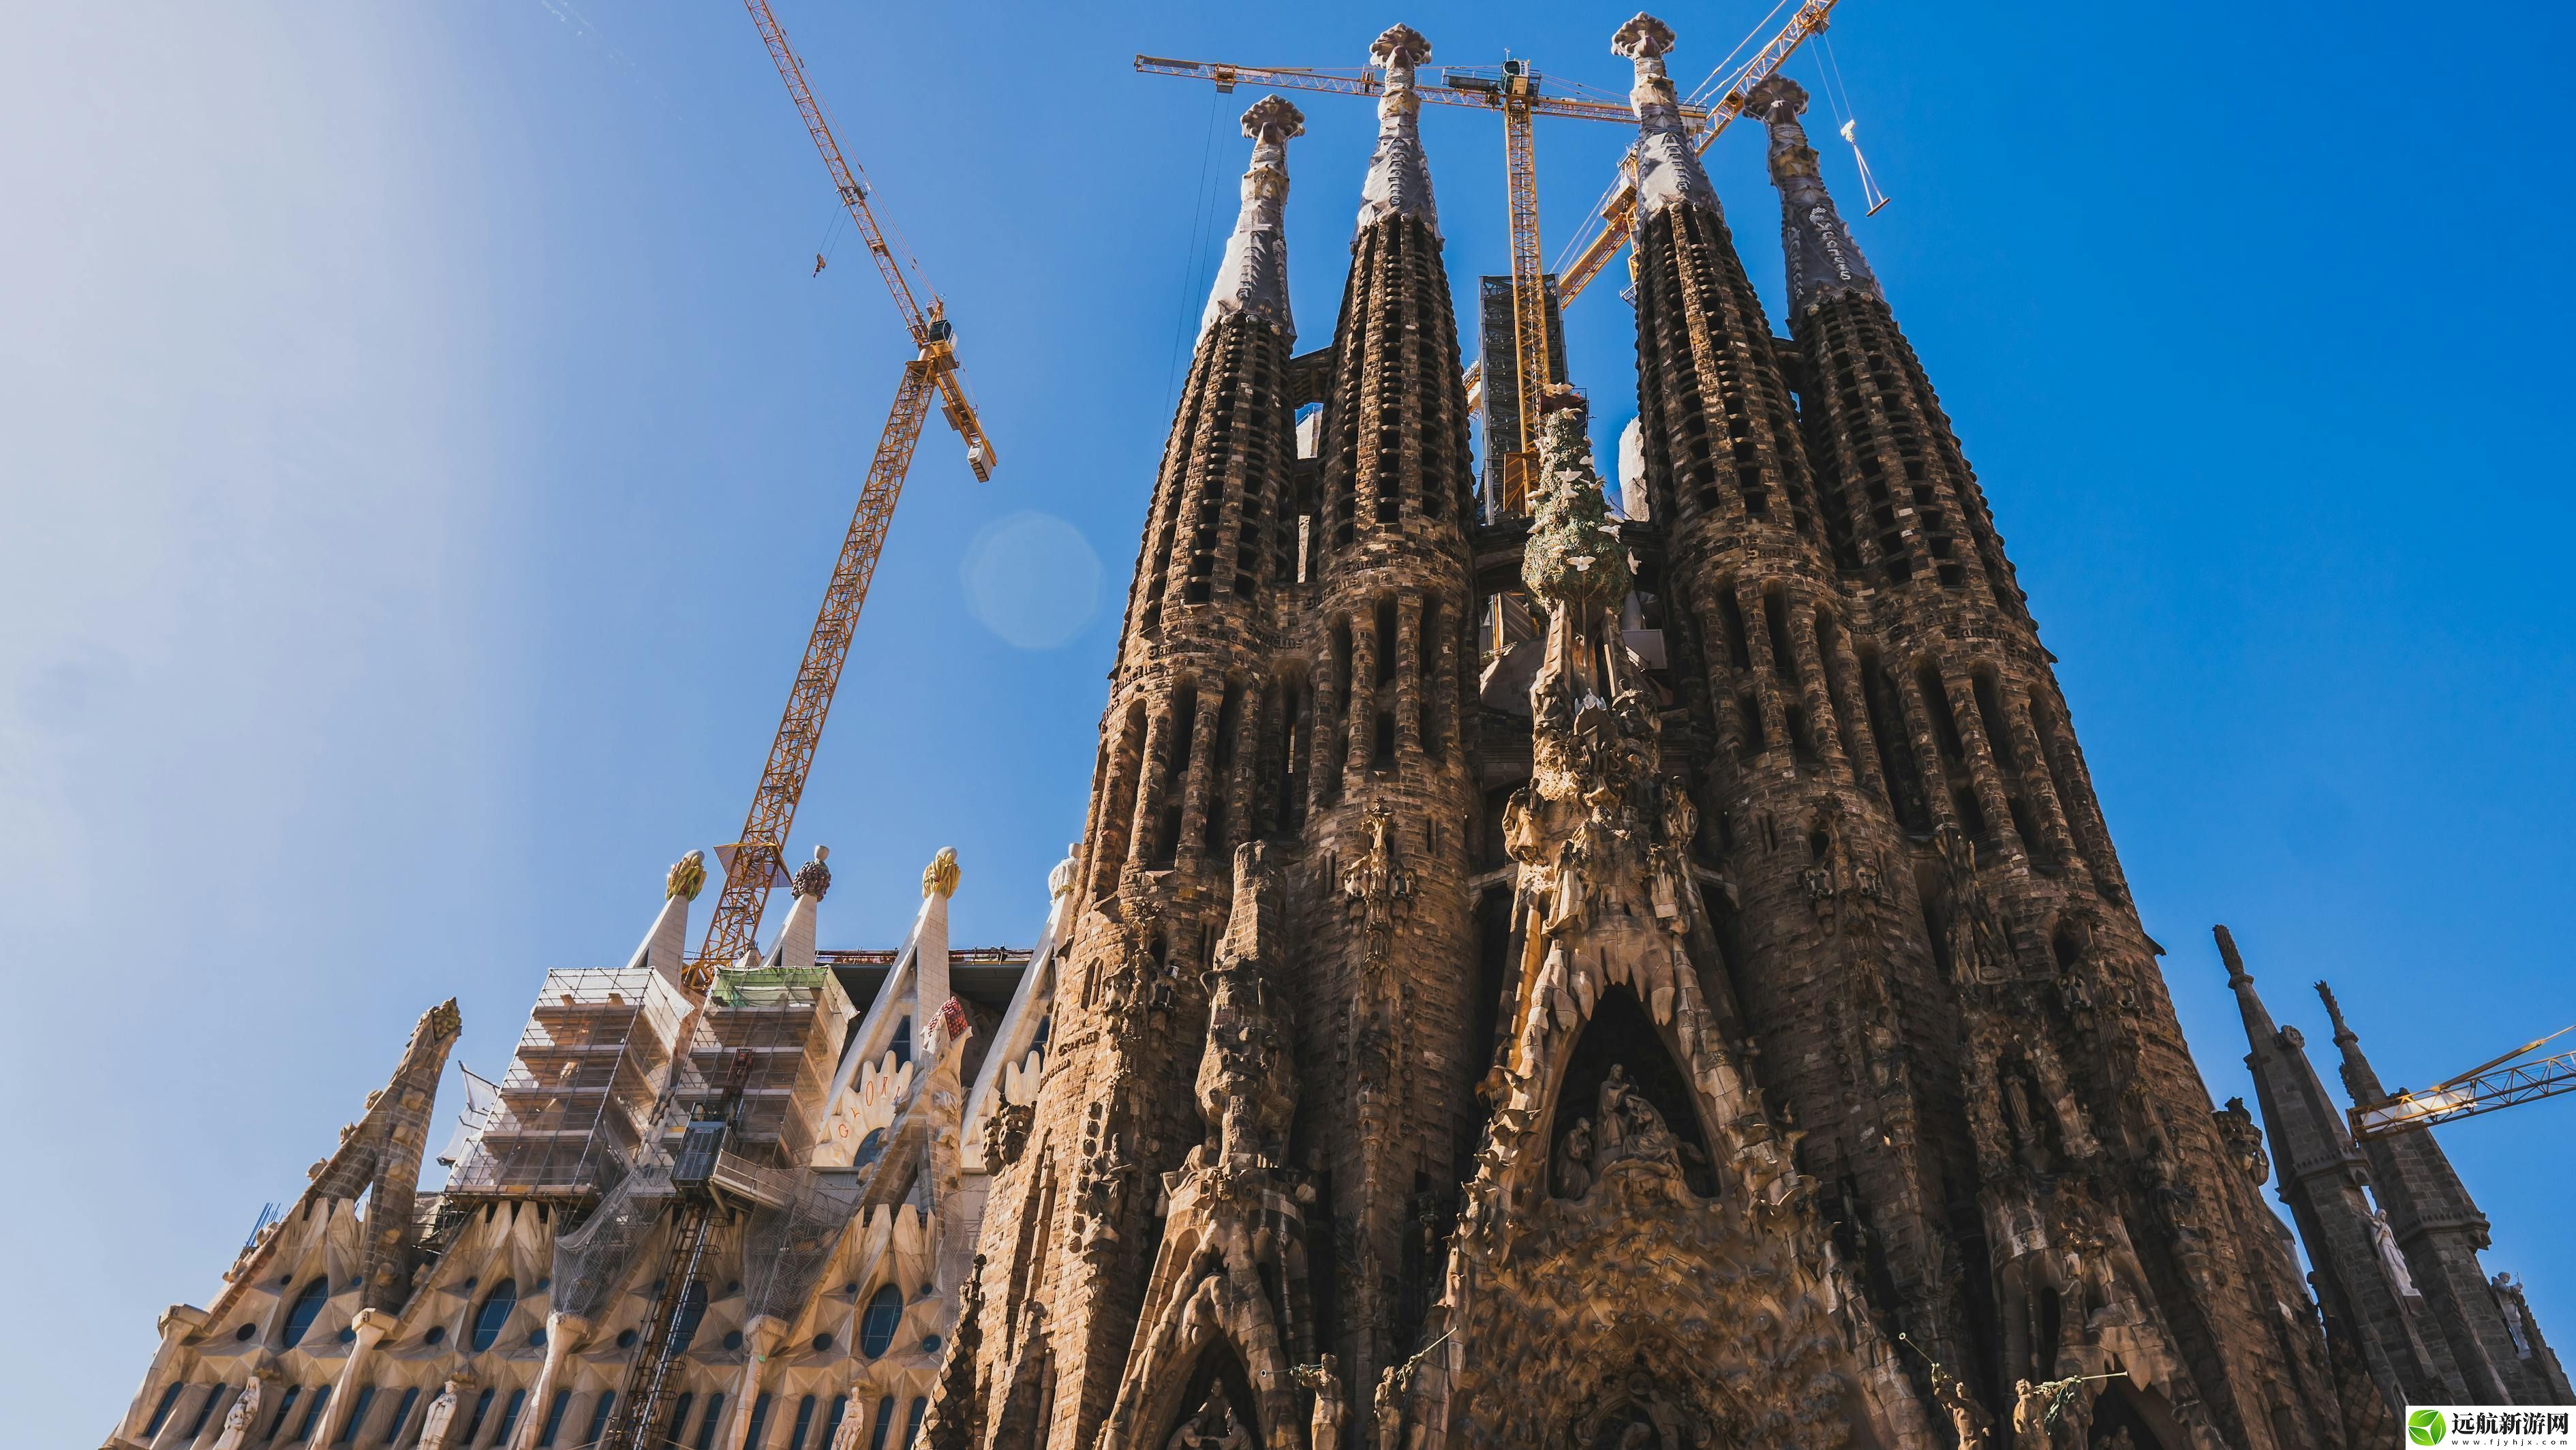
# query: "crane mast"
[[756, 861]]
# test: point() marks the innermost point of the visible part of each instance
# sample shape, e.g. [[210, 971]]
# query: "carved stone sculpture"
[[441, 1413], [244, 1415], [1324, 1378]]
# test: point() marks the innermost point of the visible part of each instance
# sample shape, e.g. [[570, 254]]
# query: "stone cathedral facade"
[[1549, 980], [1574, 981]]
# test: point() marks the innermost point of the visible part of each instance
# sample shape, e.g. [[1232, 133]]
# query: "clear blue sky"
[[425, 446]]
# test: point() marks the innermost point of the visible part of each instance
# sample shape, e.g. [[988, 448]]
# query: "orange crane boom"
[[1601, 238], [755, 863]]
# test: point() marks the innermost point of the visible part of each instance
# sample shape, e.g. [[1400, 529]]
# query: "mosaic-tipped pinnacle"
[[1400, 42], [1642, 37], [1778, 98], [1274, 113]]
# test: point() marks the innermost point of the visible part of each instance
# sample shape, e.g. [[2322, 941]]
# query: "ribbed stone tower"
[[1572, 981]]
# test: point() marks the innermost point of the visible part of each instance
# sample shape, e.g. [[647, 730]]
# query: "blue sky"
[[425, 447]]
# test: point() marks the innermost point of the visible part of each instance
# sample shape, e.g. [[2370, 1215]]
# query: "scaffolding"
[[790, 1019], [584, 1090]]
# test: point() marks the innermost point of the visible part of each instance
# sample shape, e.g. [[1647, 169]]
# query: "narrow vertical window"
[[351, 1427], [510, 1415], [884, 1426], [161, 1411], [599, 1414], [804, 1422], [402, 1415], [554, 1419], [707, 1422], [286, 1406], [832, 1420], [912, 1418], [759, 1423]]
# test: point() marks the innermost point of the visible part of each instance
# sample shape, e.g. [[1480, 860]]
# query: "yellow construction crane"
[[753, 864], [2484, 1088], [1512, 88], [1600, 238]]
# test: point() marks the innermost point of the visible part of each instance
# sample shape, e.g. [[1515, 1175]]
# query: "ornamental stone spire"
[[1399, 178], [1668, 169], [1824, 261], [1253, 278]]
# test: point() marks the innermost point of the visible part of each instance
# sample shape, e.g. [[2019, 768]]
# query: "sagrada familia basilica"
[[1533, 976]]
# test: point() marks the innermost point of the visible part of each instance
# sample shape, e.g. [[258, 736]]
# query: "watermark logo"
[[2489, 1427]]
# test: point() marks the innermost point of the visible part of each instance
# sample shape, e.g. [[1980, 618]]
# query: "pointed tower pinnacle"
[[665, 947], [2359, 1078], [1668, 169], [1253, 278], [1823, 260], [1399, 178], [795, 946]]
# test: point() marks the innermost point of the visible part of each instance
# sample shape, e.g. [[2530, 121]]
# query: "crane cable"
[[1189, 268], [1829, 76]]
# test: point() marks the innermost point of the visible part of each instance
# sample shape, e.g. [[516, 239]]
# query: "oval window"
[[300, 1314], [495, 1313], [877, 1326]]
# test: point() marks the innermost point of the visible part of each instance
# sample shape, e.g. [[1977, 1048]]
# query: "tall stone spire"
[[1252, 280], [1399, 177], [2362, 1282], [1824, 261], [1668, 168], [2441, 1231]]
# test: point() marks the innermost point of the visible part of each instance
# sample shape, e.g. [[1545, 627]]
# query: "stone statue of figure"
[[1968, 1419], [1388, 1409], [1324, 1430], [1574, 1160], [1198, 1429], [2385, 1241], [433, 1425], [1612, 1122], [2029, 1416], [239, 1419], [847, 1436]]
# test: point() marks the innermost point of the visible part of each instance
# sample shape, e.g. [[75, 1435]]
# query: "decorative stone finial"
[[1399, 178], [442, 1020], [1668, 169], [1776, 100], [1573, 557], [686, 878], [813, 878], [2344, 1036], [1400, 45], [941, 874], [1252, 280], [1643, 37], [1274, 120]]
